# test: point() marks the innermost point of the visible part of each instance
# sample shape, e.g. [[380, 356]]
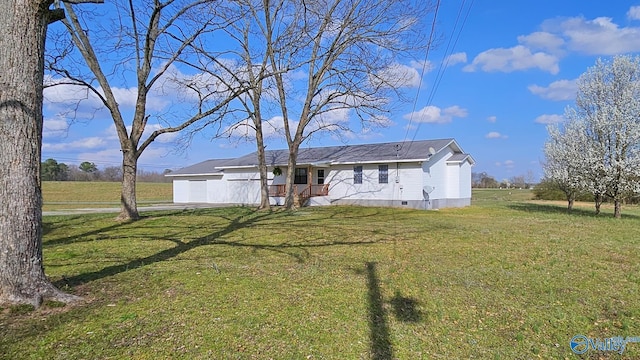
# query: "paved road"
[[140, 209]]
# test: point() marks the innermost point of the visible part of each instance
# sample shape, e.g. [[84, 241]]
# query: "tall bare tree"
[[23, 25], [152, 37], [348, 51], [315, 61], [245, 62]]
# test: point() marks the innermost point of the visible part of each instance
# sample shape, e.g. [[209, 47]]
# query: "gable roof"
[[207, 167], [344, 154], [458, 158]]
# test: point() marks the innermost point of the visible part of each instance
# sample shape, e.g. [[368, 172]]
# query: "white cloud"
[[111, 156], [86, 143], [513, 59], [634, 13], [560, 90], [54, 127], [600, 36], [397, 76], [435, 115], [419, 65], [273, 127], [549, 119], [492, 119], [542, 40], [457, 58], [495, 135], [509, 164], [164, 138]]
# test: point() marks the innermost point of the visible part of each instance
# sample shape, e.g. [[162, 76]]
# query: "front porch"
[[301, 192], [308, 183]]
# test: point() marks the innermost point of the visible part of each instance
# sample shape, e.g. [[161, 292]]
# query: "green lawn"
[[58, 195], [506, 278]]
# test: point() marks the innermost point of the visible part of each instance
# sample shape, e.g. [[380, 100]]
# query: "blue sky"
[[510, 70]]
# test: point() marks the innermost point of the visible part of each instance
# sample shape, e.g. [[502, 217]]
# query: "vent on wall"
[[405, 203]]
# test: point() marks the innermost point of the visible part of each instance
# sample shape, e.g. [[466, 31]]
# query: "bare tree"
[[152, 37], [23, 25], [246, 62], [310, 65], [348, 52]]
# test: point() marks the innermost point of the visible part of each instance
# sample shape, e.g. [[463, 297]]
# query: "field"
[[506, 278], [61, 195]]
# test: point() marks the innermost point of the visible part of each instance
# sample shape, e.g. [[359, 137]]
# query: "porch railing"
[[306, 192]]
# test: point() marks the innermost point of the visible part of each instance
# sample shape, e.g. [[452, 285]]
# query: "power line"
[[443, 65], [424, 69]]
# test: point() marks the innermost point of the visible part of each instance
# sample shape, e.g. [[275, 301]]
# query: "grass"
[[506, 278], [61, 195]]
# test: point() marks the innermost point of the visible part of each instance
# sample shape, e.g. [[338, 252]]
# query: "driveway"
[[116, 210]]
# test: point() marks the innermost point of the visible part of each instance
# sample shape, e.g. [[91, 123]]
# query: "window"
[[383, 174], [300, 176], [320, 176], [357, 174]]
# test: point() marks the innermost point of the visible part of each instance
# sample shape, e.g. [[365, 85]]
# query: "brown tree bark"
[[23, 25], [128, 199]]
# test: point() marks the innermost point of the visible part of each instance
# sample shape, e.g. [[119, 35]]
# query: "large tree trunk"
[[598, 202], [570, 204], [264, 184], [128, 201], [617, 209], [23, 26], [290, 195], [262, 167]]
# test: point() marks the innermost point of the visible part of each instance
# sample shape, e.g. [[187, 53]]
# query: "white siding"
[[180, 191], [216, 190], [404, 183], [449, 185], [465, 180], [243, 186], [197, 191], [436, 174], [453, 181]]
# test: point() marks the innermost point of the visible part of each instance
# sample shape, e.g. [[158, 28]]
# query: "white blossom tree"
[[599, 147], [608, 101], [565, 162]]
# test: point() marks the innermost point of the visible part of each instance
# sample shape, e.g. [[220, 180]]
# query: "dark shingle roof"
[[458, 157], [206, 167], [394, 151], [382, 152]]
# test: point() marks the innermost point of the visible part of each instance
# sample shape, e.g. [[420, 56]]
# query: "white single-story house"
[[427, 174]]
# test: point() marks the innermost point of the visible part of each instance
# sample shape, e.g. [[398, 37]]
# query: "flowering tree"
[[599, 147], [565, 165], [608, 101]]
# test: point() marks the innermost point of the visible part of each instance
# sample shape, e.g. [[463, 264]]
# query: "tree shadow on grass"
[[556, 209], [380, 340], [298, 251], [405, 309]]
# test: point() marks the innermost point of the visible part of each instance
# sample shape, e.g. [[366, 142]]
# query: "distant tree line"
[[52, 170], [485, 181]]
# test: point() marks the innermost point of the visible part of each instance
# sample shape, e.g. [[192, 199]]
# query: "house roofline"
[[328, 163], [193, 174]]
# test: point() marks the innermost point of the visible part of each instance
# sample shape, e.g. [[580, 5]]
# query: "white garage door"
[[197, 191]]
